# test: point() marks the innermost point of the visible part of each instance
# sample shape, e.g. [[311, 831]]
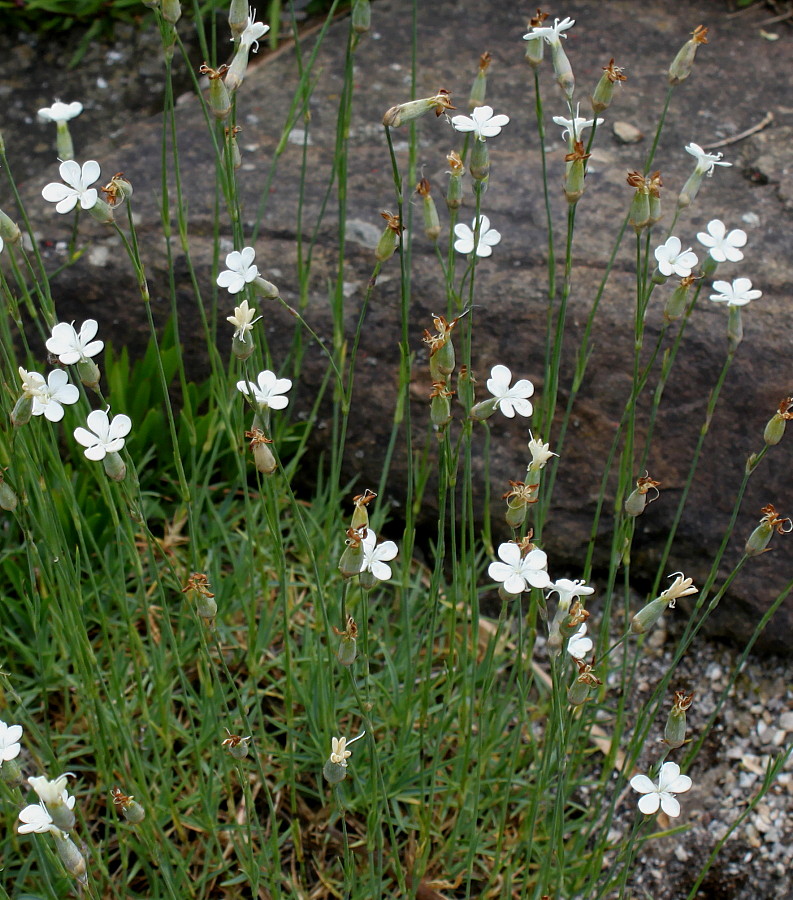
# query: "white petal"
[[99, 423], [232, 281], [53, 411], [668, 804], [380, 570], [55, 192], [70, 172], [509, 553], [642, 784], [90, 172], [120, 426], [499, 571], [514, 584], [88, 199], [648, 804]]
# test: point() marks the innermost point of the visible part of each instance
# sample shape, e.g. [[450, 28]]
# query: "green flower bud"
[[8, 498], [361, 16], [129, 808], [171, 11], [352, 556], [219, 99], [387, 244], [348, 647], [479, 87], [586, 681], [675, 730], [406, 112], [432, 224], [454, 193], [238, 17], [9, 230], [775, 429], [604, 92], [676, 305], [72, 859], [237, 746], [89, 373], [761, 536]]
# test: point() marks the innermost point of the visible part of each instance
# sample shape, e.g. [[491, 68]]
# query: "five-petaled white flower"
[[375, 558], [10, 736], [105, 436], [488, 237], [567, 589], [513, 399], [50, 397], [253, 31], [722, 246], [35, 820], [339, 753], [706, 162], [71, 347], [579, 645], [517, 572], [243, 319], [551, 33], [65, 196], [739, 293], [482, 122], [572, 128], [52, 791], [60, 112], [670, 782], [267, 390], [240, 271], [673, 260]]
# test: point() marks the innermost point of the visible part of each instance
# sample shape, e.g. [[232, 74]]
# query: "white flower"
[[339, 753], [60, 112], [488, 237], [240, 272], [705, 161], [53, 792], [540, 454], [253, 31], [574, 127], [2, 244], [673, 260], [71, 347], [35, 819], [518, 572], [739, 293], [32, 383], [722, 246], [243, 319], [77, 180], [482, 122], [9, 742], [578, 646], [268, 390], [105, 436], [567, 589], [551, 33], [375, 557], [49, 399], [670, 782], [513, 399]]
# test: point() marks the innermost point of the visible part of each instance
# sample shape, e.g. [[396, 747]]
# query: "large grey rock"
[[728, 92]]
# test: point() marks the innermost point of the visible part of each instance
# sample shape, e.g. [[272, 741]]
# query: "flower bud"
[[675, 730], [684, 61], [72, 859], [171, 11], [9, 230], [114, 466], [442, 356], [604, 92], [406, 112], [231, 149], [734, 328], [479, 87], [22, 411], [775, 429], [479, 166], [8, 498], [361, 16], [89, 373], [440, 405], [454, 193], [432, 224], [238, 17], [676, 305]]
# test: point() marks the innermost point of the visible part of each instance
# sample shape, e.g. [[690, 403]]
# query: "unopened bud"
[[171, 11], [238, 17], [73, 861], [9, 230], [386, 246], [361, 16], [432, 224], [479, 87], [8, 498], [22, 411], [479, 166], [678, 302], [219, 99], [89, 373]]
